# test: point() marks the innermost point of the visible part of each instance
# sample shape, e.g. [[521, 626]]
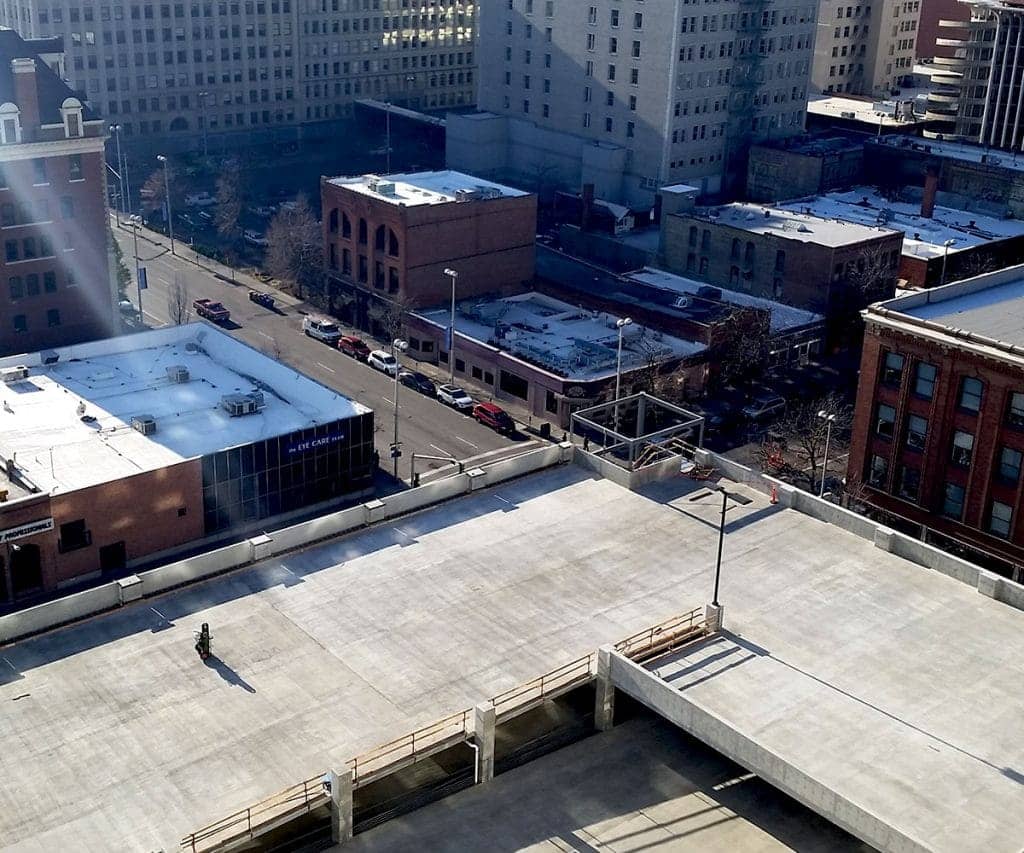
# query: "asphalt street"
[[425, 425]]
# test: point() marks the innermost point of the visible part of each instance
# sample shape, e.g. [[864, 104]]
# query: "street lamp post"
[[202, 106], [829, 420], [945, 257], [387, 127], [620, 325], [454, 276], [721, 542], [138, 270], [397, 345], [116, 130], [167, 198]]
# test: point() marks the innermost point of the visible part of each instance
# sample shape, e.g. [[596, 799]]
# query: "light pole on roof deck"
[[620, 325], [829, 419], [454, 276], [945, 257]]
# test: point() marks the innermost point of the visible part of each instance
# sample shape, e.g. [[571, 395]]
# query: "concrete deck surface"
[[113, 736], [642, 786]]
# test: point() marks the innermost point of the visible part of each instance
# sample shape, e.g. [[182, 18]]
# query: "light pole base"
[[713, 615]]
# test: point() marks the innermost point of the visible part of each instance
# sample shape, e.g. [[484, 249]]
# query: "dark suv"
[[418, 382]]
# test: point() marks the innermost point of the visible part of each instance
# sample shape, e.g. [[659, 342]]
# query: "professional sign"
[[310, 443], [23, 530]]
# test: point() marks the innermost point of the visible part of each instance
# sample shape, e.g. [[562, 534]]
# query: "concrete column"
[[604, 699], [883, 538], [483, 734], [341, 805], [713, 615]]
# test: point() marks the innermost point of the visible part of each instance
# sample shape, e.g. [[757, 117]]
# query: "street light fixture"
[[397, 345], [829, 419], [202, 105], [167, 197], [116, 130], [620, 325], [454, 276], [945, 257]]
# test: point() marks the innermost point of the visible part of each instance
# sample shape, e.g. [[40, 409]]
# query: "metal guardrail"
[[663, 637], [557, 681], [409, 746], [300, 798]]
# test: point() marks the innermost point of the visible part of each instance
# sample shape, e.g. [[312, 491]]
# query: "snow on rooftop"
[[116, 379], [568, 341], [955, 151], [923, 237], [834, 106], [422, 188], [794, 223], [783, 317]]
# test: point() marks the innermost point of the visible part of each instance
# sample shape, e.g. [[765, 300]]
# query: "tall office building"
[[165, 71], [632, 95], [864, 48], [977, 93]]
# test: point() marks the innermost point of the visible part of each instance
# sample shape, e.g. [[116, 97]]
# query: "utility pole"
[[167, 198]]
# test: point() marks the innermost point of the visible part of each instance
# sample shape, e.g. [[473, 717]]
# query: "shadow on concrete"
[[228, 674]]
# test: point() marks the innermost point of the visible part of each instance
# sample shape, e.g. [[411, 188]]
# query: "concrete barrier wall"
[[675, 707], [194, 568], [422, 496], [525, 463], [78, 605]]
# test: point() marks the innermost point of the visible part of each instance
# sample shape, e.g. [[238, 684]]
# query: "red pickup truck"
[[212, 311]]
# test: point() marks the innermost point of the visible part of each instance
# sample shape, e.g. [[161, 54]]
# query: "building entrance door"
[[113, 557], [26, 569]]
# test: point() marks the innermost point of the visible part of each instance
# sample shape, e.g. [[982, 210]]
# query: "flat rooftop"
[[792, 223], [990, 306], [964, 151], [121, 739], [111, 381], [817, 145], [423, 188], [563, 339], [923, 237], [864, 111]]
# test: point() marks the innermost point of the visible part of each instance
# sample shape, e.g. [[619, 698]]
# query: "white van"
[[254, 237], [322, 329]]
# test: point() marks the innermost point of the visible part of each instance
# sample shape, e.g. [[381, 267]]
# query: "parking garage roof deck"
[[111, 381]]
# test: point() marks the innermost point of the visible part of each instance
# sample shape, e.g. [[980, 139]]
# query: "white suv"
[[382, 360], [322, 329], [454, 396]]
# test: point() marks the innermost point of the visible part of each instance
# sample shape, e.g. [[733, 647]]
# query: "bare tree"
[[295, 248], [871, 277], [975, 263], [740, 345], [806, 426], [179, 303], [230, 201], [390, 314], [154, 190]]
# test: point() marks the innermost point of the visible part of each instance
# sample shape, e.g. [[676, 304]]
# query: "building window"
[[910, 482], [1015, 411], [999, 519], [970, 394], [346, 226], [885, 423], [74, 535], [53, 317], [50, 282], [892, 369], [15, 286], [20, 323], [953, 501], [963, 447], [550, 402], [75, 167], [11, 250], [924, 380], [878, 472], [67, 207], [460, 365], [1009, 464], [39, 171], [362, 231], [917, 432]]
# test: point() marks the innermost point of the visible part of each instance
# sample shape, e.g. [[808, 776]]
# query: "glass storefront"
[[287, 473]]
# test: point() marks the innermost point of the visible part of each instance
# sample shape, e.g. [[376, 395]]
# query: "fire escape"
[[747, 79]]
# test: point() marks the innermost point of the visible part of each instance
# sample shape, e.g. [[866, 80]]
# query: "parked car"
[[418, 382], [254, 237], [264, 299], [353, 346], [205, 216], [200, 199], [492, 415], [384, 361], [210, 310], [322, 329], [453, 395], [126, 308], [763, 406]]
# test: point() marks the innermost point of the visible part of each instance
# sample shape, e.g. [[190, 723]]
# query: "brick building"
[[388, 241], [55, 284], [822, 265], [938, 435], [804, 166], [131, 447]]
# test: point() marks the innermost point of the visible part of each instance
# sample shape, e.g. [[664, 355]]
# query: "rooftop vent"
[[237, 405], [467, 195], [178, 374], [803, 228], [14, 374], [191, 346], [379, 185], [146, 424]]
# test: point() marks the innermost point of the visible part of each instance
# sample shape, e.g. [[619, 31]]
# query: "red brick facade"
[[993, 426]]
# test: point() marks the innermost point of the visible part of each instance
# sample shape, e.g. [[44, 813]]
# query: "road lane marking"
[[441, 450], [470, 443], [268, 337], [387, 400], [325, 367], [503, 500]]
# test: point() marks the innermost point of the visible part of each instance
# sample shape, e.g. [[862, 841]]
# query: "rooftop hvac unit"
[[381, 186], [848, 114], [467, 195], [237, 405], [14, 374], [177, 373], [146, 424]]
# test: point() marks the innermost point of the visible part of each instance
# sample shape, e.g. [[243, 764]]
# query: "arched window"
[[10, 124], [362, 231], [179, 123], [748, 255], [379, 238], [332, 221], [392, 243], [346, 226], [71, 112]]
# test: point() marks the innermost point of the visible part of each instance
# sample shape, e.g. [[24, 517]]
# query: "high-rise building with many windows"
[[165, 71], [630, 95]]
